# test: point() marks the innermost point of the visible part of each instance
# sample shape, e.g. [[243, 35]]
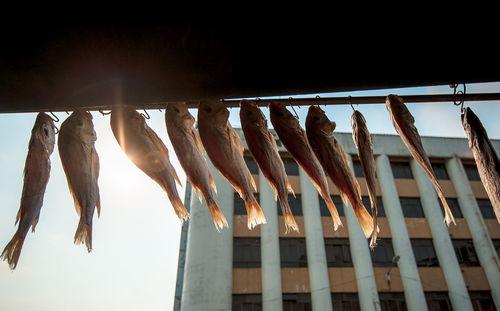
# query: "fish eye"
[[208, 109], [176, 110], [279, 113], [316, 118]]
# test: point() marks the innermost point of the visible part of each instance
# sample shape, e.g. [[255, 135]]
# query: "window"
[[466, 255], [247, 302], [239, 204], [486, 208], [482, 301], [293, 252], [401, 169], [295, 205], [439, 170], [297, 302], [454, 207], [338, 253], [411, 207], [392, 301], [496, 245], [323, 209], [252, 165], [383, 254], [358, 169], [380, 206], [438, 301], [425, 256], [291, 167], [246, 253], [471, 171], [345, 302]]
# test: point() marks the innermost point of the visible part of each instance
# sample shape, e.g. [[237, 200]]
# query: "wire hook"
[[104, 113], [145, 114], [55, 118], [290, 102], [317, 101], [462, 93], [350, 102]]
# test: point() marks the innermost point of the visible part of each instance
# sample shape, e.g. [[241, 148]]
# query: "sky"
[[136, 239]]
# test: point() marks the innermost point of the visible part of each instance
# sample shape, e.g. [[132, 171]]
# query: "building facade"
[[419, 263]]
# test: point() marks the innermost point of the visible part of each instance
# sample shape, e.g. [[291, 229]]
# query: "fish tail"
[[12, 251], [179, 209], [254, 212], [290, 223], [365, 220], [333, 212], [373, 240], [448, 216], [217, 216], [84, 235]]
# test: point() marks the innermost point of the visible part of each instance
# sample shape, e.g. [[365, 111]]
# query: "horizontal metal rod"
[[307, 101]]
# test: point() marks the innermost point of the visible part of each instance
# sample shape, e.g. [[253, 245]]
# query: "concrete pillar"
[[486, 253], [270, 249], [457, 291], [414, 293], [361, 260], [316, 257], [209, 256]]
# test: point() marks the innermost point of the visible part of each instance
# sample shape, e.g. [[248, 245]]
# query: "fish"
[[485, 157], [363, 142], [147, 151], [295, 140], [264, 150], [333, 159], [36, 177], [403, 122], [80, 162], [188, 148], [225, 149]]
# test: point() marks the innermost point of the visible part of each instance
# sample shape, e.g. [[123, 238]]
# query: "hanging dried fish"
[[80, 162], [295, 141], [188, 148], [485, 156], [36, 177], [147, 151], [403, 122], [334, 160], [225, 150], [262, 145], [363, 142]]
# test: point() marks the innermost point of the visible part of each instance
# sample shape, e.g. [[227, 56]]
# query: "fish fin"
[[176, 177], [98, 206], [12, 251], [373, 203], [333, 212], [212, 183], [18, 217], [34, 223], [365, 219], [218, 217], [274, 190], [180, 209], [344, 198], [254, 213], [272, 139], [448, 215], [84, 235], [289, 188], [252, 181], [197, 139], [198, 192], [290, 223]]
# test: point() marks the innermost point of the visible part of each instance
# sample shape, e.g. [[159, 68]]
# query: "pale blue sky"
[[136, 239]]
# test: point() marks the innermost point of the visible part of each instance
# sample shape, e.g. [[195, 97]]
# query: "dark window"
[[425, 256], [252, 165], [246, 253], [297, 302], [486, 208], [439, 170], [295, 205], [438, 301], [392, 302], [411, 207], [345, 302], [323, 209], [383, 254], [247, 302], [293, 252], [472, 173], [496, 245], [239, 204], [454, 207], [380, 206], [482, 301], [401, 169], [466, 255], [291, 167], [358, 169], [338, 253]]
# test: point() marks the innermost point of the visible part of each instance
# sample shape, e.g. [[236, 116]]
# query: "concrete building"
[[419, 263]]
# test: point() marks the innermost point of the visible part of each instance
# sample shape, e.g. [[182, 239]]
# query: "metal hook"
[[290, 102], [462, 93], [317, 101], [104, 113], [55, 119], [145, 114], [350, 102]]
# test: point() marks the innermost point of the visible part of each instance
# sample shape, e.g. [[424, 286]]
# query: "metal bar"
[[306, 101]]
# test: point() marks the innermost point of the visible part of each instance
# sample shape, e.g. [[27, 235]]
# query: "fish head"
[[44, 130], [214, 110], [82, 126], [250, 112], [317, 120], [394, 104], [357, 118], [280, 116], [178, 113]]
